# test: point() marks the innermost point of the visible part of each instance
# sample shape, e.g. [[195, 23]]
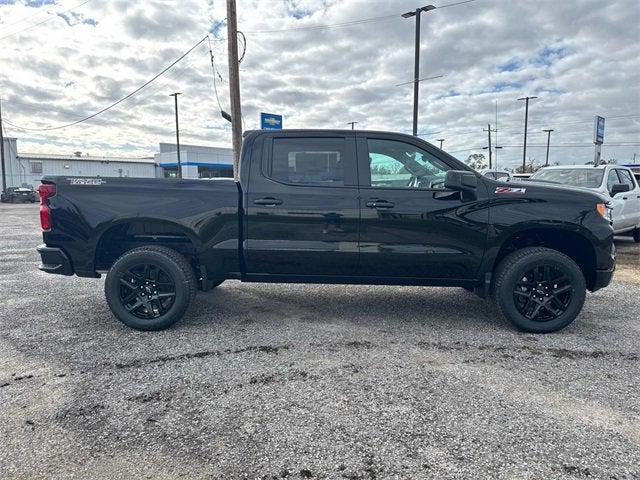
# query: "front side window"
[[625, 177], [308, 161], [395, 164], [612, 179]]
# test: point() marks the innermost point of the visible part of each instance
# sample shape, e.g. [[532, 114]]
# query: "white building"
[[197, 162]]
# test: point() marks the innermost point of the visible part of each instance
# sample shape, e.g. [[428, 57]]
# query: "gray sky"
[[62, 60]]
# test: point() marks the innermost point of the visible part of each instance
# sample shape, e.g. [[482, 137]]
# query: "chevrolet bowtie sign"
[[270, 121]]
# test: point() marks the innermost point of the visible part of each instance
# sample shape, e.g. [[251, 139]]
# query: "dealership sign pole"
[[598, 139]]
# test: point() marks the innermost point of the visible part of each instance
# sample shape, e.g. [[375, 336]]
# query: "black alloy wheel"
[[146, 291], [539, 289], [150, 287], [543, 293]]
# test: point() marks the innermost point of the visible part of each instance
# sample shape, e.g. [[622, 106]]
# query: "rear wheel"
[[539, 290], [150, 288]]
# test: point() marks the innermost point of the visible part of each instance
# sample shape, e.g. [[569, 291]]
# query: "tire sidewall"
[[567, 267], [112, 290]]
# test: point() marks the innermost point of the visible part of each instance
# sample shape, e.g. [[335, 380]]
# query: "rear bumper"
[[54, 260]]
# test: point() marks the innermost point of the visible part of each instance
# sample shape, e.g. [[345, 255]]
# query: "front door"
[[303, 207], [411, 226]]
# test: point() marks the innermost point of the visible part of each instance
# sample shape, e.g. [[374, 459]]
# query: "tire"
[[157, 281], [520, 278], [636, 235]]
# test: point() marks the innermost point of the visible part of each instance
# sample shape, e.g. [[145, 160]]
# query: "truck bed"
[[106, 215]]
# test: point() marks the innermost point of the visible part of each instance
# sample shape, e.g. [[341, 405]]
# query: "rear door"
[[411, 226], [303, 206], [630, 199]]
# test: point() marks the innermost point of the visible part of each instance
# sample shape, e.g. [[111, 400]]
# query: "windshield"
[[577, 177]]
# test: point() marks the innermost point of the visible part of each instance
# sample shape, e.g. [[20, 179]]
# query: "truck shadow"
[[381, 306]]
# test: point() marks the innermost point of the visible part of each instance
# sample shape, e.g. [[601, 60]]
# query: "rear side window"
[[308, 161]]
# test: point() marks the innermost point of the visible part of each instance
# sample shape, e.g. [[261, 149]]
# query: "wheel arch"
[[572, 242], [126, 234]]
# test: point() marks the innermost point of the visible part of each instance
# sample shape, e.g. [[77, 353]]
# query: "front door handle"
[[380, 204], [267, 202]]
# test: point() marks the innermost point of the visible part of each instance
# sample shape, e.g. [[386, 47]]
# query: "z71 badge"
[[510, 190]]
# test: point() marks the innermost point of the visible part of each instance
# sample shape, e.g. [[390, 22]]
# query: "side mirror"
[[619, 188], [461, 180]]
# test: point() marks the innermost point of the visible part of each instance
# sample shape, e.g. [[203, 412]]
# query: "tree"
[[530, 167], [477, 161]]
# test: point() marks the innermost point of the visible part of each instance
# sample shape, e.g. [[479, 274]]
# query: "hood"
[[539, 186]]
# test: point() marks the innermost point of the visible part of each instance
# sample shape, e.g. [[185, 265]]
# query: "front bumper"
[[603, 278], [54, 260]]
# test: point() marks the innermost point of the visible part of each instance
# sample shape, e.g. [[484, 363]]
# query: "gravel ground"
[[305, 381]]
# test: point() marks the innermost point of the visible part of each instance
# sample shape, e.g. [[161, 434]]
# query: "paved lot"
[[298, 381]]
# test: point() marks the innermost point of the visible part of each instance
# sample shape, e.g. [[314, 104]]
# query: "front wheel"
[[539, 290], [150, 288]]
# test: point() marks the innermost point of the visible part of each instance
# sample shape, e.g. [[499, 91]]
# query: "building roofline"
[[90, 158]]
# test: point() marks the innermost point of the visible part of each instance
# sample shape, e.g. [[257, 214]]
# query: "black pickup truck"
[[322, 206]]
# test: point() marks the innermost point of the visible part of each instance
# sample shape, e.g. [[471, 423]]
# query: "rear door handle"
[[380, 204], [267, 202]]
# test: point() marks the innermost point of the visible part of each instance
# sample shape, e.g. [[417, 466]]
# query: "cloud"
[[579, 58]]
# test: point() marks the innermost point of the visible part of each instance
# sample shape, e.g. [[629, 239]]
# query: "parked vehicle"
[[521, 176], [344, 207], [19, 194], [616, 183], [496, 174]]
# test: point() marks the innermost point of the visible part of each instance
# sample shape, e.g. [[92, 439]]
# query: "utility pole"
[[488, 130], [175, 97], [496, 132], [4, 171], [416, 65], [548, 131], [234, 86], [526, 122], [352, 125], [441, 140]]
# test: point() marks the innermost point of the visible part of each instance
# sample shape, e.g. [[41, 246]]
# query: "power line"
[[346, 24], [326, 26], [53, 15], [117, 102], [215, 71]]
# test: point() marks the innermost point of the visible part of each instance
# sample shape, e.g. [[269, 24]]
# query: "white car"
[[614, 182]]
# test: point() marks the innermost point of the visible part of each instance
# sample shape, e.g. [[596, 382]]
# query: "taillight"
[[46, 191]]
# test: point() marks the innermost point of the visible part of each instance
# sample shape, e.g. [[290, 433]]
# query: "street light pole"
[[416, 64], [441, 140], [353, 124], [546, 162], [4, 171], [526, 122], [175, 97]]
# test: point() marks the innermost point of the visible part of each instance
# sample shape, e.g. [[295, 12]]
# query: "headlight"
[[605, 210]]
